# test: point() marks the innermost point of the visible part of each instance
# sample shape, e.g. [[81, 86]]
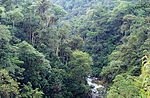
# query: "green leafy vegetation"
[[48, 48]]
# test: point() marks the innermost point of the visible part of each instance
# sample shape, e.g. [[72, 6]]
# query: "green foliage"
[[76, 43], [8, 54], [132, 48], [15, 15], [51, 50], [79, 68], [77, 7], [80, 65], [4, 47], [7, 84], [131, 86], [144, 78], [28, 92], [34, 62], [123, 86]]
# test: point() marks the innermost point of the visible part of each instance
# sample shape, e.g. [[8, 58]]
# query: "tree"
[[123, 87], [80, 65], [79, 69], [4, 47], [145, 5], [125, 58], [76, 43], [144, 78], [36, 67], [132, 86], [8, 53], [27, 91], [15, 15], [8, 86]]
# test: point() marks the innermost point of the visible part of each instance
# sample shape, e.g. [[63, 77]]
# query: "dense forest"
[[48, 48]]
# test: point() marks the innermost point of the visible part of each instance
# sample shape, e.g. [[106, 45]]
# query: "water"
[[94, 88]]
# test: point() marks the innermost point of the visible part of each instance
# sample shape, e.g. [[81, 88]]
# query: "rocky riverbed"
[[98, 90]]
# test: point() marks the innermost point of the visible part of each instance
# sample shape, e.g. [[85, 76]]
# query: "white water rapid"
[[94, 88]]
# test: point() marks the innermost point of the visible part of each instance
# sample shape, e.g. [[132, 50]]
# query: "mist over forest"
[[74, 48]]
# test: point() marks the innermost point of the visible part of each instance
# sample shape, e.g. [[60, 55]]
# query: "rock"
[[92, 86]]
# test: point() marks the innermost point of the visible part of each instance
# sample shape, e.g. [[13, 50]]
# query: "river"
[[98, 91]]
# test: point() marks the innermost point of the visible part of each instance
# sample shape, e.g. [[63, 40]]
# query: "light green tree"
[[8, 86]]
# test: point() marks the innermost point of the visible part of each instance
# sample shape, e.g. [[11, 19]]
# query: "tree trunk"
[[32, 38], [57, 48], [149, 18]]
